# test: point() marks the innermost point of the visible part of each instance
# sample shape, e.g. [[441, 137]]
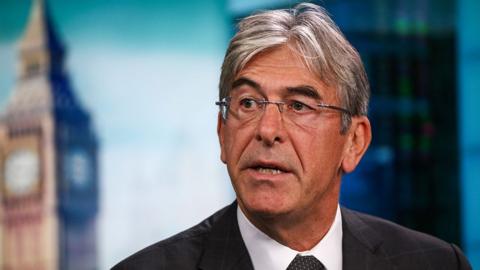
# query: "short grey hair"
[[316, 38]]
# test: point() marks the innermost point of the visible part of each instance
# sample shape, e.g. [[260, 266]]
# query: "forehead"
[[280, 68]]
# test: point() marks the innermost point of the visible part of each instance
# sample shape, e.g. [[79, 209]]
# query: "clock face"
[[21, 171], [78, 168]]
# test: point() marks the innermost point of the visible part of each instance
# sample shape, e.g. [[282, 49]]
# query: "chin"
[[266, 205]]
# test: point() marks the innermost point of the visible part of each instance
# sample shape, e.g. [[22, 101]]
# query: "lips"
[[268, 167], [268, 170]]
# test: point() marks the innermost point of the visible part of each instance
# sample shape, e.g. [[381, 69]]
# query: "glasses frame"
[[225, 102]]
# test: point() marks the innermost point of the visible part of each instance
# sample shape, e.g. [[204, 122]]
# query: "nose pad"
[[279, 106]]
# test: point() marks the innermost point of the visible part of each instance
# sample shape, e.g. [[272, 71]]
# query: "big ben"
[[48, 160]]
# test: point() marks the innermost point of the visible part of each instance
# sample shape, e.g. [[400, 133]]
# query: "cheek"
[[235, 142], [319, 150]]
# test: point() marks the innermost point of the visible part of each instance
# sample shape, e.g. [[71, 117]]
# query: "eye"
[[299, 107], [248, 103]]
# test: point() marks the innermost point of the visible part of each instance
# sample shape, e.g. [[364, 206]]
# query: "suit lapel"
[[225, 248], [362, 246]]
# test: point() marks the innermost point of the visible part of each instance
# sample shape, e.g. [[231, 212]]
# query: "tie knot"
[[308, 262]]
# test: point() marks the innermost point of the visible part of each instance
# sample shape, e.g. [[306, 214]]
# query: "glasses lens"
[[299, 111], [244, 108]]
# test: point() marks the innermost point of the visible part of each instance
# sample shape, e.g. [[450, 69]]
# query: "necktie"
[[305, 263]]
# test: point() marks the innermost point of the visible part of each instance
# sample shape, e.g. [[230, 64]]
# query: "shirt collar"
[[267, 253]]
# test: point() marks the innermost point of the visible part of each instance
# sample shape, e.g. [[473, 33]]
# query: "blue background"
[[148, 73]]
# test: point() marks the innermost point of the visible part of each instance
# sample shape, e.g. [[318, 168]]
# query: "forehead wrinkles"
[[279, 56], [280, 61], [281, 68]]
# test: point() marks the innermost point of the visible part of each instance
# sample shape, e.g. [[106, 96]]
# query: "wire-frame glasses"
[[304, 111]]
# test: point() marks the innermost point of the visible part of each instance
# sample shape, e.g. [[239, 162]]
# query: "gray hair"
[[316, 38]]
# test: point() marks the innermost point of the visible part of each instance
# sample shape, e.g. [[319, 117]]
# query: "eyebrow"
[[245, 81], [304, 90]]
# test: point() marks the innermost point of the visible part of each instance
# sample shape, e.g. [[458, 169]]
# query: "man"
[[292, 121]]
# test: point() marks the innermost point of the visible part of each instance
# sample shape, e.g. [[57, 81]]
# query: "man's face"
[[276, 166]]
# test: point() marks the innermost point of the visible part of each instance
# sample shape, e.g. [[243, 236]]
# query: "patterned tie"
[[305, 263]]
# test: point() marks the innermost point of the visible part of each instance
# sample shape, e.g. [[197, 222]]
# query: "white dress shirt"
[[268, 254]]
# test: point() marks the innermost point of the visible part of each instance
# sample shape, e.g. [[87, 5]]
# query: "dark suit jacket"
[[368, 243]]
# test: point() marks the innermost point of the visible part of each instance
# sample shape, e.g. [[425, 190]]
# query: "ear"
[[359, 137], [221, 137]]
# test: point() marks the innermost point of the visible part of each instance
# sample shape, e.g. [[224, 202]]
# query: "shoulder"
[[399, 236], [402, 245], [181, 251]]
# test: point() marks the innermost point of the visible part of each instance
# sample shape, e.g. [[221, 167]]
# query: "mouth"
[[265, 170], [268, 168]]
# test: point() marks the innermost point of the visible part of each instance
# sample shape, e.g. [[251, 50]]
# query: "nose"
[[270, 129]]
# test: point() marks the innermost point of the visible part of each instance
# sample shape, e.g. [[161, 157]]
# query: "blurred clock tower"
[[48, 161]]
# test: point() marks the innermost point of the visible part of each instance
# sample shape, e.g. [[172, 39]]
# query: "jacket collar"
[[224, 248], [362, 246]]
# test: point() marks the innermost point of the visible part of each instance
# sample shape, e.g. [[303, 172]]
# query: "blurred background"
[[108, 123]]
